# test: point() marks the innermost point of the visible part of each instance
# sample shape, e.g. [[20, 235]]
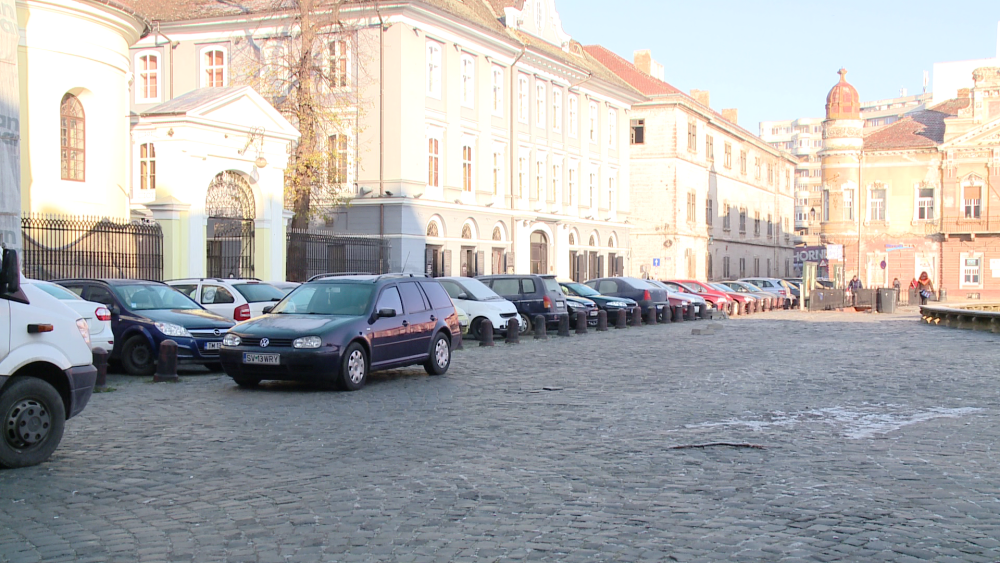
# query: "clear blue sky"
[[778, 59]]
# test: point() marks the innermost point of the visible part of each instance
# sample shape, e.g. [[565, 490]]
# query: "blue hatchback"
[[145, 313]]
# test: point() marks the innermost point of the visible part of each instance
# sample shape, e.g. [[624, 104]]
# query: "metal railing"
[[982, 224], [321, 252], [57, 246]]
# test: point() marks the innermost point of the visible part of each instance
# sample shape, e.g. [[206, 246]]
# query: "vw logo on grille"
[[218, 332], [264, 342]]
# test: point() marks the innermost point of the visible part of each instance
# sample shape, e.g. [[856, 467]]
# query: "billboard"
[[809, 254]]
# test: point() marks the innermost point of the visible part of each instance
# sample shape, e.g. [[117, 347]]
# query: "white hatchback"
[[479, 302], [237, 299], [97, 315]]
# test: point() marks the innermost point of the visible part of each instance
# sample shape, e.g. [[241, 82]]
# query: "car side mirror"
[[268, 309], [10, 272], [386, 313], [462, 295]]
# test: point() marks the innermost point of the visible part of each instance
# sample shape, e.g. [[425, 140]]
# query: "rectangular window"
[[467, 168], [743, 267], [876, 205], [522, 98], [557, 114], [743, 162], [497, 172], [612, 191], [214, 68], [570, 195], [710, 148], [433, 162], [709, 212], [770, 226], [756, 267], [848, 205], [337, 159], [574, 116], [756, 223], [339, 64], [970, 271], [728, 163], [592, 190], [540, 180], [727, 222], [612, 128], [770, 174], [638, 127], [540, 104], [147, 166], [692, 136], [743, 221], [593, 122], [973, 202], [522, 176], [690, 207], [434, 69], [468, 81], [756, 167], [149, 77], [925, 204], [498, 91], [556, 182], [725, 267]]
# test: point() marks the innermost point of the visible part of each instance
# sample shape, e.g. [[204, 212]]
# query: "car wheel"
[[33, 420], [214, 366], [138, 357], [440, 358], [354, 367], [476, 328], [247, 382], [523, 324]]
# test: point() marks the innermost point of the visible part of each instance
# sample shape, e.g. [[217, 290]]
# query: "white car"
[[285, 287], [97, 315], [237, 299], [479, 302]]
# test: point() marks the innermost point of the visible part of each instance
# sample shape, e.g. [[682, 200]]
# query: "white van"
[[46, 368]]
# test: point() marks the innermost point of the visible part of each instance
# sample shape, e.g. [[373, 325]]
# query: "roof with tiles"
[[916, 130], [578, 56], [499, 5]]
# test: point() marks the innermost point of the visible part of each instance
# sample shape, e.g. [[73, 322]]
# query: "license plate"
[[268, 359], [697, 309], [213, 345], [593, 313], [560, 305]]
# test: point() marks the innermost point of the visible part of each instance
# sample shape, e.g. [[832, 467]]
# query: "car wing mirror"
[[462, 295], [386, 313], [268, 309]]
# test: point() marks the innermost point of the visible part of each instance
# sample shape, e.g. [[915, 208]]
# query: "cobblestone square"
[[877, 443]]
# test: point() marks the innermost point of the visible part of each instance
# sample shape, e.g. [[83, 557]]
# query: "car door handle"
[[406, 323], [433, 318]]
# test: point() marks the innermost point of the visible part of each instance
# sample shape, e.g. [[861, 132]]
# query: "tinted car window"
[[439, 299], [451, 287], [100, 295], [144, 297], [217, 295], [505, 287], [528, 286], [390, 300], [58, 291], [77, 289], [413, 301], [552, 285], [607, 286], [259, 292]]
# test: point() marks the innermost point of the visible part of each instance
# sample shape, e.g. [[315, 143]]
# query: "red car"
[[719, 300]]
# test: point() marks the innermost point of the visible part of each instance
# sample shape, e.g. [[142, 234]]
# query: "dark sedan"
[[609, 303], [334, 330], [647, 295]]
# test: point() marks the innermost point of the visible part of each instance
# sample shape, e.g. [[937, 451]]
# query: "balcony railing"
[[960, 225]]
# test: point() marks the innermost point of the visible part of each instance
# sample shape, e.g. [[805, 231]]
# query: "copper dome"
[[843, 102]]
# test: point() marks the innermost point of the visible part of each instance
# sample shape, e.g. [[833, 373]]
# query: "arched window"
[[148, 71], [572, 240], [466, 231], [593, 240], [213, 68], [497, 235], [72, 139], [432, 230], [611, 242]]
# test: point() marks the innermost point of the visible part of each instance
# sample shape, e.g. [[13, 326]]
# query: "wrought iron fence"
[[57, 246], [321, 252]]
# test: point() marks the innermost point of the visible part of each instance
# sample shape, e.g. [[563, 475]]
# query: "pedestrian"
[[925, 287], [855, 284], [896, 287], [913, 284]]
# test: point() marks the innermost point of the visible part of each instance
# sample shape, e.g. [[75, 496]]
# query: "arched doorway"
[[539, 253], [230, 208]]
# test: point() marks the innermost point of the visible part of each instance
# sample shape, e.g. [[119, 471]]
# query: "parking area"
[[789, 436]]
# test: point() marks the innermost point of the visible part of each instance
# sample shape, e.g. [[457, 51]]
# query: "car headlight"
[[231, 340], [307, 342], [170, 329], [617, 304], [84, 330]]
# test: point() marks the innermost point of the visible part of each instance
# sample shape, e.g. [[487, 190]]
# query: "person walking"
[[925, 288], [896, 286], [854, 284]]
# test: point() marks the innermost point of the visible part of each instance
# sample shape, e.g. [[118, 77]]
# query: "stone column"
[[173, 217]]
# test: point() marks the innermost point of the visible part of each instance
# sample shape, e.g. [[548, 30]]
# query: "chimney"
[[730, 115], [701, 96], [963, 93], [643, 60]]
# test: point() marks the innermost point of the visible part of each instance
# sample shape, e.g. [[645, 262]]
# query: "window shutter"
[[600, 266], [429, 260], [508, 262], [480, 263], [464, 263], [446, 263], [578, 268], [620, 266]]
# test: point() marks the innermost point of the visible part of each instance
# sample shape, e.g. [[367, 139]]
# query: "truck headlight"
[[84, 330], [170, 329], [307, 342], [231, 340]]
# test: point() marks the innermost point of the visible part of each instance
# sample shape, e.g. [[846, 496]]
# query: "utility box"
[[886, 300]]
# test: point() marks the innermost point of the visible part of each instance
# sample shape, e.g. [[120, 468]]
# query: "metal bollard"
[[637, 316], [581, 322], [166, 365], [564, 325], [622, 319], [485, 332], [101, 363], [651, 316], [539, 321], [602, 321], [513, 331], [705, 312], [689, 314], [679, 313], [666, 316]]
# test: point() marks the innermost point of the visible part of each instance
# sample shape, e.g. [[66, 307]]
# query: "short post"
[[705, 311], [539, 321], [485, 333], [101, 363], [564, 325], [621, 319], [667, 316], [651, 316], [637, 316], [602, 321], [166, 365], [581, 322], [679, 312], [689, 314], [513, 331]]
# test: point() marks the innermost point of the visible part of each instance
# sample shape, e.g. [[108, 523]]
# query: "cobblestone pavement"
[[879, 444]]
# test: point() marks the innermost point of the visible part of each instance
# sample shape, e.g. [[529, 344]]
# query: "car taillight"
[[781, 292], [646, 296], [102, 314], [547, 302], [242, 313]]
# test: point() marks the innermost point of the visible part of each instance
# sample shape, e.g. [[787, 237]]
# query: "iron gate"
[[230, 238]]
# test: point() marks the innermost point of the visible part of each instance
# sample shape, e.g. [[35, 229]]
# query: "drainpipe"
[[513, 142], [173, 45], [381, 135]]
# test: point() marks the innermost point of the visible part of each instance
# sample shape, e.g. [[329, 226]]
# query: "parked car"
[[645, 294], [336, 330], [480, 302], [747, 301], [532, 295], [237, 299], [98, 316], [145, 313], [583, 305], [718, 299], [682, 300], [610, 303], [769, 299], [774, 285], [285, 287], [463, 320]]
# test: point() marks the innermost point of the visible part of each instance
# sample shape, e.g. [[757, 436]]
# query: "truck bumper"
[[81, 385]]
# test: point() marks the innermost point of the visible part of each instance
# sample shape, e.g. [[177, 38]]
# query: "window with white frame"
[[848, 205], [467, 168], [574, 115], [214, 68], [925, 204], [876, 204], [592, 189], [971, 270], [612, 190], [556, 182], [593, 122], [337, 159], [147, 166], [522, 174], [497, 91], [540, 104], [612, 128], [540, 178], [434, 69], [433, 162], [557, 114], [148, 72], [522, 98], [570, 196], [340, 68], [972, 198], [468, 81], [497, 170]]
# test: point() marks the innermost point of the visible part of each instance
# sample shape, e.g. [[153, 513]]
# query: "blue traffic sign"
[[656, 262]]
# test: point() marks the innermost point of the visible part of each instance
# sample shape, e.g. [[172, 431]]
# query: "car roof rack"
[[212, 279], [337, 274]]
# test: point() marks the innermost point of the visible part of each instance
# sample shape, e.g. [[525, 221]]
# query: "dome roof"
[[843, 102]]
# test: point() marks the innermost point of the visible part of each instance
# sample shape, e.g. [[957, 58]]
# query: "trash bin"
[[886, 301]]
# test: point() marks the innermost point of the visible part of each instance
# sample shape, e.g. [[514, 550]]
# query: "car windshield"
[[581, 290], [478, 290], [753, 287], [693, 288], [720, 287], [327, 299], [552, 285], [259, 292], [148, 296], [58, 291]]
